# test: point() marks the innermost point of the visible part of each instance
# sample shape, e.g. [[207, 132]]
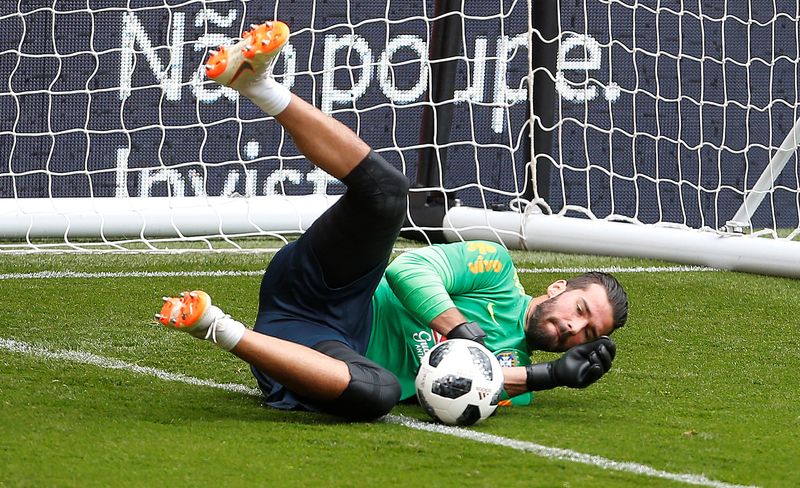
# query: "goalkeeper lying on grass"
[[336, 334]]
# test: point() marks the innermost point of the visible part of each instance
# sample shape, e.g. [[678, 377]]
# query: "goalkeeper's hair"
[[614, 290]]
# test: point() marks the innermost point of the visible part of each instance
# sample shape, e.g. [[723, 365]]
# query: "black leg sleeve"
[[372, 392], [358, 232]]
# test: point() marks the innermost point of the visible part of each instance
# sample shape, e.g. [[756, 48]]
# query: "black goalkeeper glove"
[[468, 330], [579, 367]]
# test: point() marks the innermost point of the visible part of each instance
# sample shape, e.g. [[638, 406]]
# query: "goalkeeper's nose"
[[576, 325]]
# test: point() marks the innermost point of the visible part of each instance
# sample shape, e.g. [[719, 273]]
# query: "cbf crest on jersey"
[[508, 359]]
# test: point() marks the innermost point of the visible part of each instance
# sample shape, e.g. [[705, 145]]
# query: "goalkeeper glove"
[[579, 367], [468, 330]]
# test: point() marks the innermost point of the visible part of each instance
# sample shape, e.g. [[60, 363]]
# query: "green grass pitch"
[[705, 384]]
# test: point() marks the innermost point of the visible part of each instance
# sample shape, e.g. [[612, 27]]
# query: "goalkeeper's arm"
[[452, 324], [579, 367], [424, 280]]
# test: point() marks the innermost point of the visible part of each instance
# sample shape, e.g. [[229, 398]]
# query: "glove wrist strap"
[[467, 330], [539, 377]]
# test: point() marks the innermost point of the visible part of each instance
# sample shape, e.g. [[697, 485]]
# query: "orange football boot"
[[251, 58]]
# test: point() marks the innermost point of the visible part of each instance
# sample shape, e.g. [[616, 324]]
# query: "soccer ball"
[[459, 382]]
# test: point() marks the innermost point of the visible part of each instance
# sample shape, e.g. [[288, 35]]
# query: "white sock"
[[226, 332], [269, 95], [222, 330]]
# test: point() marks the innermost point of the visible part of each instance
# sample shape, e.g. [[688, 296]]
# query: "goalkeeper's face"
[[567, 318]]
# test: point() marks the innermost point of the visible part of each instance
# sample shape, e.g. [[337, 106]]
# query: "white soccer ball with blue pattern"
[[459, 382]]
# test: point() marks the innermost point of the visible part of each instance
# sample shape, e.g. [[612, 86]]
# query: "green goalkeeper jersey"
[[476, 277]]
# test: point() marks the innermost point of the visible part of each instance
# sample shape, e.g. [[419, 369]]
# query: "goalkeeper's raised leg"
[[247, 67], [314, 318]]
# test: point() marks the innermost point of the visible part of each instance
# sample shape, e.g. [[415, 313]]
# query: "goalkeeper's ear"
[[556, 288]]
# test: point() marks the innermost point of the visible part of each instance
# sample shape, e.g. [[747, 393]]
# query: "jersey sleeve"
[[510, 358], [426, 279]]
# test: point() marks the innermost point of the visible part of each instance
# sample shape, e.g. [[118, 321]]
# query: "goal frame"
[[529, 228], [435, 212]]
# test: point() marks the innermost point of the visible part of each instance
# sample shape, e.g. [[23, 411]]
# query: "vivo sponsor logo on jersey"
[[481, 265]]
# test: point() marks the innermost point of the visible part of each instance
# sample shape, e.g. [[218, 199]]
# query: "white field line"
[[108, 363], [48, 275], [45, 275], [560, 454], [619, 269], [14, 346]]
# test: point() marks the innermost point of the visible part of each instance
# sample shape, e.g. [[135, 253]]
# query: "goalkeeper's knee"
[[372, 392], [379, 187]]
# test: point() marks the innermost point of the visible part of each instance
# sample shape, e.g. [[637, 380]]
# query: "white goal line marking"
[[619, 269], [108, 363], [15, 346], [45, 275], [560, 454]]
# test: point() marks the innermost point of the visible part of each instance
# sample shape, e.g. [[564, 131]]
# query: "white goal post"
[[652, 128], [676, 137]]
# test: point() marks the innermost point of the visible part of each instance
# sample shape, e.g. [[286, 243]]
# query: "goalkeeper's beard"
[[536, 329]]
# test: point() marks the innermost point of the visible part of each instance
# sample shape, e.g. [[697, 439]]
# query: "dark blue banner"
[[671, 109], [112, 101], [666, 110]]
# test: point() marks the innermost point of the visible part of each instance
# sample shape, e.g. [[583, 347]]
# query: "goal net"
[[111, 137], [662, 114], [678, 118]]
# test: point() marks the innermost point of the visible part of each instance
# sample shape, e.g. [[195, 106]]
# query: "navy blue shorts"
[[350, 244], [295, 304]]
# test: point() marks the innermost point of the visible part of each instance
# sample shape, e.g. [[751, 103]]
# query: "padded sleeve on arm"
[[420, 279]]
